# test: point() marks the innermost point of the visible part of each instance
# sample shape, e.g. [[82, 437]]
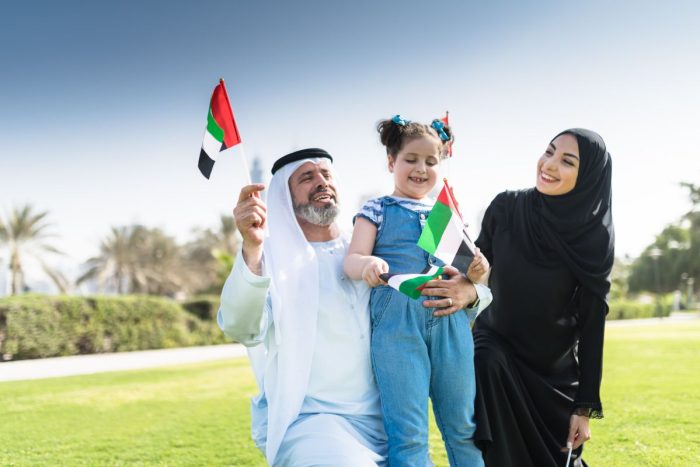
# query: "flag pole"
[[448, 162], [242, 151], [568, 459], [245, 165]]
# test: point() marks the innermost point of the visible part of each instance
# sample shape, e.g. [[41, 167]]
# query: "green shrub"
[[203, 306], [632, 309], [141, 322], [36, 326]]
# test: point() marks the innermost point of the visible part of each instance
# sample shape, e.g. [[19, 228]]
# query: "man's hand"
[[250, 214], [458, 292], [479, 268], [579, 432], [372, 269]]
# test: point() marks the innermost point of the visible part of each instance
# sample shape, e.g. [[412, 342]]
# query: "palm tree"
[[208, 258], [113, 263], [25, 233], [137, 259], [157, 265]]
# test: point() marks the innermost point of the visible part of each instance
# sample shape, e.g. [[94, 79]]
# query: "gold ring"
[[449, 301]]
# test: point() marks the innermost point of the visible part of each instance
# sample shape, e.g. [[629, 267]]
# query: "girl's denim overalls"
[[416, 355]]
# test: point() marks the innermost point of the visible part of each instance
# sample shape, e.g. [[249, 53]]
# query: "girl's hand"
[[479, 268], [579, 432], [458, 292], [372, 269]]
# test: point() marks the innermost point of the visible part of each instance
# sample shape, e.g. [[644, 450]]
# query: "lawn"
[[198, 414]]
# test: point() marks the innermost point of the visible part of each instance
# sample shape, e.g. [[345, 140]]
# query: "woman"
[[539, 347]]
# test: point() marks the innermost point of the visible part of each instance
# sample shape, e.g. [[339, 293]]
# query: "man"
[[305, 324]]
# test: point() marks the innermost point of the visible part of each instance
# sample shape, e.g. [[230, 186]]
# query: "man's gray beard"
[[316, 216]]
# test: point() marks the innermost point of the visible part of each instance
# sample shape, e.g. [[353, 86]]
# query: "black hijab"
[[575, 227]]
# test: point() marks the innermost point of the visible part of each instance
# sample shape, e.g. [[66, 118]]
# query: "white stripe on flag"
[[451, 240], [395, 281], [210, 145]]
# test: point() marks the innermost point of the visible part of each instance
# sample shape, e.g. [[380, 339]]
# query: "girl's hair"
[[395, 135]]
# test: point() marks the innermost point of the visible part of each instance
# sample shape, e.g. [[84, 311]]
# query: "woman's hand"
[[458, 292], [579, 432], [479, 268]]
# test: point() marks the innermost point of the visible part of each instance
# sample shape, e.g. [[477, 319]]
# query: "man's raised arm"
[[242, 315]]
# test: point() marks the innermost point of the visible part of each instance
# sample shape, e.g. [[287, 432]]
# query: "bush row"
[[204, 307], [632, 309], [39, 326]]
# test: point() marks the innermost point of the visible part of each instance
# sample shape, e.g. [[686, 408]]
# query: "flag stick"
[[245, 164], [568, 459]]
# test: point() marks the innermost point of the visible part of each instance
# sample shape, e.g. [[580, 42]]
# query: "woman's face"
[[557, 169]]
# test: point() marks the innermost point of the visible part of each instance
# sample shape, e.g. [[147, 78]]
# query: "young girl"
[[415, 354]]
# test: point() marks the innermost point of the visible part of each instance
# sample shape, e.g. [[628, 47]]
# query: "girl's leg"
[[402, 370], [453, 387]]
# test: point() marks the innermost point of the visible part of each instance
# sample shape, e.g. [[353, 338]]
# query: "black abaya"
[[529, 376]]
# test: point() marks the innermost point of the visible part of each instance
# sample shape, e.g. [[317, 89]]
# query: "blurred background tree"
[[143, 260], [111, 267], [672, 261], [209, 257], [25, 234]]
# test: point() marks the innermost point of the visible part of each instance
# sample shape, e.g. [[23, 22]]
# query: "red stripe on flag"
[[446, 197], [222, 113]]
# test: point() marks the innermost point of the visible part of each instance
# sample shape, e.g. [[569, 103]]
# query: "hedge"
[[632, 309], [39, 326], [204, 307]]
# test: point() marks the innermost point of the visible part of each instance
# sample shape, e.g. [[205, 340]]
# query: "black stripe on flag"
[[205, 164], [463, 258]]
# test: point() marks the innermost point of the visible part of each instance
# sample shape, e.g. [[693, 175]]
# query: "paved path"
[[100, 363]]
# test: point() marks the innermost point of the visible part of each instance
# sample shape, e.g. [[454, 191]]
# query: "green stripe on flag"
[[213, 128], [436, 224], [412, 287]]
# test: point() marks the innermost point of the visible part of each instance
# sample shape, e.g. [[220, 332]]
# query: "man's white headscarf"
[[292, 264]]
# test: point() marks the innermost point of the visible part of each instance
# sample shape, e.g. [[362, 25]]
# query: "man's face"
[[314, 194]]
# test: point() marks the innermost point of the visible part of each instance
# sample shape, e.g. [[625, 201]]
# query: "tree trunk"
[[16, 269]]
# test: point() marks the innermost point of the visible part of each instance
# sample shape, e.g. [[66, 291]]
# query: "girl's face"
[[557, 169], [415, 167]]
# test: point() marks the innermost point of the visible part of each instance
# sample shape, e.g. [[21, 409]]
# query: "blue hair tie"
[[399, 120], [439, 126]]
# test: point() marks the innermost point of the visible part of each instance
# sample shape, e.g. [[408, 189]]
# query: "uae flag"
[[444, 235], [221, 132], [411, 284]]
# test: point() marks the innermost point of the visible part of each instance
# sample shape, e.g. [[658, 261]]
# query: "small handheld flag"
[[221, 131], [446, 121], [411, 284], [444, 235]]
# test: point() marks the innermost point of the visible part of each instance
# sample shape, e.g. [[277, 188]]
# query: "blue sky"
[[103, 104]]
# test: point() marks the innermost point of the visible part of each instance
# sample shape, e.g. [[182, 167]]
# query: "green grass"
[[651, 397], [188, 415], [199, 415]]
